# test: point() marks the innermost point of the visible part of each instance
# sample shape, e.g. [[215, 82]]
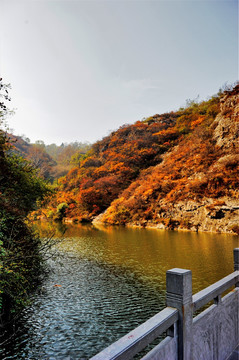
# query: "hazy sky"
[[79, 69]]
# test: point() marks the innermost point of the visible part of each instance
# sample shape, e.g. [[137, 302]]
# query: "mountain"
[[35, 153], [196, 186], [177, 171], [52, 161]]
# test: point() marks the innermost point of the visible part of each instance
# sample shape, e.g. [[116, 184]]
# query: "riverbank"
[[213, 217]]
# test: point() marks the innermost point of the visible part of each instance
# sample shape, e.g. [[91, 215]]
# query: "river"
[[105, 281]]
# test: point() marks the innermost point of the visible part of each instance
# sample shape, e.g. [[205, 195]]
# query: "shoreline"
[[96, 222]]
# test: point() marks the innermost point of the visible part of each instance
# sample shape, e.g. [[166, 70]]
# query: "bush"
[[61, 210], [20, 257], [21, 263]]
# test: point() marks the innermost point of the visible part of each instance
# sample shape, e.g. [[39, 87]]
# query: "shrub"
[[61, 210]]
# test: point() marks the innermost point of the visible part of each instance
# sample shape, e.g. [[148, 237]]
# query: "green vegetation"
[[197, 170], [115, 162], [61, 211], [140, 172], [51, 161], [20, 189]]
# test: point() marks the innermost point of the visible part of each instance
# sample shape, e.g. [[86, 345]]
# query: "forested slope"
[[21, 262], [196, 186], [172, 170], [52, 161]]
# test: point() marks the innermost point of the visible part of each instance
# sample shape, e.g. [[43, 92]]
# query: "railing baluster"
[[179, 296], [236, 261], [218, 299]]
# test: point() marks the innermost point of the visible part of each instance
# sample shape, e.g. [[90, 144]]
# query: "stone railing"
[[213, 334]]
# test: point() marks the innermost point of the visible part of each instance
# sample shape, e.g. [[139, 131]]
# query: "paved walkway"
[[234, 355]]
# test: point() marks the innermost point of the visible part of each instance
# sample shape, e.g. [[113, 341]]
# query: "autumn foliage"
[[135, 171]]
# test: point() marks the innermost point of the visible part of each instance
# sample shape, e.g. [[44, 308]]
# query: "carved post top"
[[179, 287], [179, 296], [236, 259]]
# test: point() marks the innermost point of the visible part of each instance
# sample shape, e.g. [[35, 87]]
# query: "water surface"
[[104, 282]]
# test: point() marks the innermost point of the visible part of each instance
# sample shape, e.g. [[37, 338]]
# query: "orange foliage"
[[123, 170], [195, 169]]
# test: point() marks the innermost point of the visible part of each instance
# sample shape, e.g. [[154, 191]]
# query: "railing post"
[[179, 296], [236, 261]]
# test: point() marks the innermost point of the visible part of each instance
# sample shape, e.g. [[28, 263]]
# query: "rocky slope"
[[178, 170], [220, 214], [196, 186]]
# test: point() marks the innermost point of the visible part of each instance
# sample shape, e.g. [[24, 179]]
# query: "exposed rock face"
[[226, 124], [210, 214], [195, 187], [222, 214]]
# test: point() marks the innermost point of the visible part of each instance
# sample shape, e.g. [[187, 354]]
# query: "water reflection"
[[150, 253], [111, 280]]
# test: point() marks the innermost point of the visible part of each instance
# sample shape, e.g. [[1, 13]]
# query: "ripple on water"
[[94, 305], [110, 282]]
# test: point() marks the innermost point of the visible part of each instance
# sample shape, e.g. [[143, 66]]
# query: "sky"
[[81, 69]]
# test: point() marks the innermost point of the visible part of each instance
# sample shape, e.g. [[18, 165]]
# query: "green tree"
[[61, 210], [20, 189]]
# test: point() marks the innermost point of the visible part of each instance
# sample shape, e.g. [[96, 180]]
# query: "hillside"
[[175, 170], [196, 186], [52, 161]]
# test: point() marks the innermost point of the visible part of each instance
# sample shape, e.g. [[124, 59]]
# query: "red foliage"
[[126, 165]]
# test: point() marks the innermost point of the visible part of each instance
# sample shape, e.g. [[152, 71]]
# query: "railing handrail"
[[211, 292], [180, 307], [136, 340]]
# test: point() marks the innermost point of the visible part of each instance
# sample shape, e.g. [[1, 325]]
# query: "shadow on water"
[[106, 281]]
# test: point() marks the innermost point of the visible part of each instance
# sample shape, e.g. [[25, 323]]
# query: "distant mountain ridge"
[[52, 161], [35, 153], [177, 170]]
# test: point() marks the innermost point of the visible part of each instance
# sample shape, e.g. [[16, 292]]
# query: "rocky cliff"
[[219, 214], [196, 187]]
